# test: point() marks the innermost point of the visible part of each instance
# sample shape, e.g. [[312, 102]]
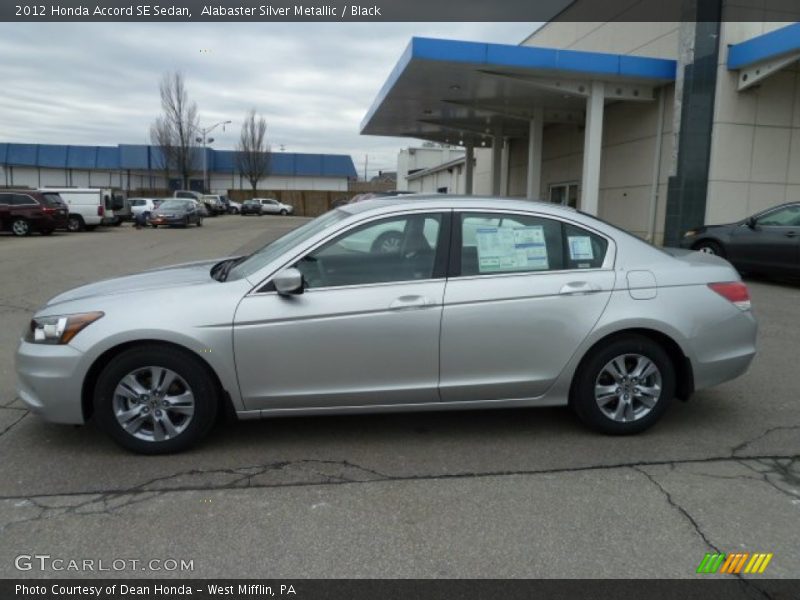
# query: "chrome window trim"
[[392, 215]]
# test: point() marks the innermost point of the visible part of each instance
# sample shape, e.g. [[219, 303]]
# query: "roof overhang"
[[452, 91], [761, 56]]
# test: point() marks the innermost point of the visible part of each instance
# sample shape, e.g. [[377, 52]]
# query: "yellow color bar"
[[765, 563]]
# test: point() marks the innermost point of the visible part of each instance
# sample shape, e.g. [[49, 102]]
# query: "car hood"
[[194, 273], [168, 212]]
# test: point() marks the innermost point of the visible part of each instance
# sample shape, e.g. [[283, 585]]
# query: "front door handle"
[[791, 234], [410, 302], [578, 287]]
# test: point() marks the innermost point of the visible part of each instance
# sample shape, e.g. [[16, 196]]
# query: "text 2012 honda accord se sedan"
[[401, 304]]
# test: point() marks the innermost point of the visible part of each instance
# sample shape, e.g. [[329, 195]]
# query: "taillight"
[[733, 291], [48, 211], [101, 210]]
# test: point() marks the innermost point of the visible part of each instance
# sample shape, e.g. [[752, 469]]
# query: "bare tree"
[[253, 153], [175, 129], [161, 137]]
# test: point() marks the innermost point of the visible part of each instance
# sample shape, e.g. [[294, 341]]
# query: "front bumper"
[[49, 381], [167, 220]]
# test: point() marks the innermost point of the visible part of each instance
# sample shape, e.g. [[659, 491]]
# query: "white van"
[[88, 207]]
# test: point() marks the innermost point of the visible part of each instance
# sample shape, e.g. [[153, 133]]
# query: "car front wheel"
[[624, 386], [155, 400], [710, 247]]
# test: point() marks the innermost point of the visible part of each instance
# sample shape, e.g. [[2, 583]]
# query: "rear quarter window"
[[583, 249], [52, 200]]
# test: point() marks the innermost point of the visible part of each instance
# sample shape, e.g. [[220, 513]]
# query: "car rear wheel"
[[20, 227], [155, 400], [625, 386], [75, 223], [709, 247], [284, 212]]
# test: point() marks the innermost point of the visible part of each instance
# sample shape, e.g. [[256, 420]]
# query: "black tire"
[[582, 398], [199, 221], [710, 247], [187, 367], [387, 243], [284, 212], [186, 222], [20, 227], [118, 222], [45, 231], [75, 223]]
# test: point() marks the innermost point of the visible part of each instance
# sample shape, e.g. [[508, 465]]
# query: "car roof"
[[451, 201]]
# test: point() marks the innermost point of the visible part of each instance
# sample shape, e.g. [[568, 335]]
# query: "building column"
[[592, 149], [534, 181], [468, 168], [497, 161]]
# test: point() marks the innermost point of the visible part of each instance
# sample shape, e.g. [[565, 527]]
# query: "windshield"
[[173, 204], [262, 257]]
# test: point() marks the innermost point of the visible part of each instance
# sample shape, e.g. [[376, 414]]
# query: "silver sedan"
[[393, 305]]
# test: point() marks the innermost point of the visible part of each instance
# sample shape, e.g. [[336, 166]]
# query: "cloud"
[[97, 83]]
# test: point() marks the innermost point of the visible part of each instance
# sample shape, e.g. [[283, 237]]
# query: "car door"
[[770, 243], [524, 292], [364, 332], [269, 207]]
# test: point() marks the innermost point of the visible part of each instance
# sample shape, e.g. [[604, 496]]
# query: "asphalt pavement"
[[506, 493]]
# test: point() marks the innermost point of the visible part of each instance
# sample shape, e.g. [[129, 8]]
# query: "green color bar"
[[716, 567], [701, 568]]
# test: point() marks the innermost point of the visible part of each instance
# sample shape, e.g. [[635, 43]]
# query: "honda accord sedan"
[[482, 303]]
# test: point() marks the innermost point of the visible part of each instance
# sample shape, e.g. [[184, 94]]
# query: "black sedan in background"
[[176, 211], [251, 207], [767, 243]]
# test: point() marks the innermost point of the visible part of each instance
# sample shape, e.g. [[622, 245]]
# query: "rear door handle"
[[578, 287], [410, 302], [791, 234]]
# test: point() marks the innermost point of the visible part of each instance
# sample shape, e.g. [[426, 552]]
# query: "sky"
[[97, 83]]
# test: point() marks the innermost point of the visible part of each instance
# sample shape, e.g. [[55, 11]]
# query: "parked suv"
[[215, 204], [24, 211]]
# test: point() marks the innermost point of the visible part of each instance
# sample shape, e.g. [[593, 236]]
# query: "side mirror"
[[751, 222], [289, 282]]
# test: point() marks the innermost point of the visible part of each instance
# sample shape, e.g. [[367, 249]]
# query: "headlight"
[[690, 233], [59, 329]]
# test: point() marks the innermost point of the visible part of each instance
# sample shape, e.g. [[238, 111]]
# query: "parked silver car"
[[483, 303], [270, 206]]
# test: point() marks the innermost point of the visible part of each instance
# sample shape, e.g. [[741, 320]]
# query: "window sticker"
[[511, 249], [580, 247]]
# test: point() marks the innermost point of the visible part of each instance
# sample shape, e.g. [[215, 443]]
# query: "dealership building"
[[139, 167], [654, 126]]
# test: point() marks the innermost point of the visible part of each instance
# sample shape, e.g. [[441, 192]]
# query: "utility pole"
[[205, 140]]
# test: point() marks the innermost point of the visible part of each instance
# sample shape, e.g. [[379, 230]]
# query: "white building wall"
[[417, 158], [657, 40], [755, 145], [453, 178], [133, 180]]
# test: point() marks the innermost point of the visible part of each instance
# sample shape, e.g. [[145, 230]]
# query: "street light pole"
[[205, 140]]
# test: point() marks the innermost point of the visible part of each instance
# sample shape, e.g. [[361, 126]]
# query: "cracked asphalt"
[[510, 493]]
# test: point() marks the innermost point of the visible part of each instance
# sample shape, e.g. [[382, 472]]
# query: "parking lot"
[[511, 493]]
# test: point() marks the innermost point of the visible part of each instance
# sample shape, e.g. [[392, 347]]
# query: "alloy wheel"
[[20, 227], [153, 404], [628, 387]]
